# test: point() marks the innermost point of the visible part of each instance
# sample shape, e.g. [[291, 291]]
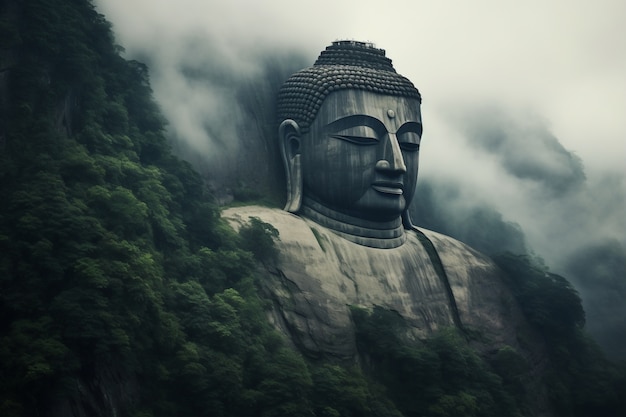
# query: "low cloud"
[[523, 146], [220, 110], [443, 206]]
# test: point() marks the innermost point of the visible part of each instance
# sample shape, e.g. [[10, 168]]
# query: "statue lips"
[[394, 188]]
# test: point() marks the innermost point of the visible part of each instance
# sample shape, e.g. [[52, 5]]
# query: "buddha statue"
[[349, 132]]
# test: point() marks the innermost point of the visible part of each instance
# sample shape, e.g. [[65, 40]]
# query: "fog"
[[524, 140]]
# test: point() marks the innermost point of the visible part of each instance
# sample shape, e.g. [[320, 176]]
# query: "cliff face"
[[8, 17], [319, 275]]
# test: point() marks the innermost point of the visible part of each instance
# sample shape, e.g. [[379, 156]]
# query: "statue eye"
[[410, 147], [360, 135], [409, 141]]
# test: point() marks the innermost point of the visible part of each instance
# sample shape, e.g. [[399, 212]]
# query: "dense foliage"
[[599, 271], [441, 376], [580, 381], [122, 292], [118, 282]]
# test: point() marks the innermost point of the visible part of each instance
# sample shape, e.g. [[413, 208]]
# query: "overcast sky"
[[524, 102]]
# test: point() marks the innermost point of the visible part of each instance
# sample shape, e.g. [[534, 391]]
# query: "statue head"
[[350, 130]]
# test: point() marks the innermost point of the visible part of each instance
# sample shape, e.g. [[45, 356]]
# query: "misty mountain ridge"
[[525, 148]]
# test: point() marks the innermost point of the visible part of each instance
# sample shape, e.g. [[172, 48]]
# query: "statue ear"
[[289, 143]]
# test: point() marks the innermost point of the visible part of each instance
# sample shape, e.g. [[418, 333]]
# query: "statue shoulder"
[[293, 230], [463, 265], [238, 216], [483, 300], [451, 248]]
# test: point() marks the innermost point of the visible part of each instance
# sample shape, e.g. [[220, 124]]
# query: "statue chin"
[[374, 222], [374, 232]]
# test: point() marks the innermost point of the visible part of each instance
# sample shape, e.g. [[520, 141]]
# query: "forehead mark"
[[391, 114]]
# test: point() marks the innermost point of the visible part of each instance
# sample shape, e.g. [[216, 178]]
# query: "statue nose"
[[392, 160]]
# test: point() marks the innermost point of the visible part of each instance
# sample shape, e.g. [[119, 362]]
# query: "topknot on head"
[[355, 53]]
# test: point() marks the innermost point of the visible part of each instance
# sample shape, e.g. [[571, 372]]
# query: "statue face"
[[360, 156]]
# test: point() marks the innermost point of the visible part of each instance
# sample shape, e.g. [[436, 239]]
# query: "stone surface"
[[319, 274]]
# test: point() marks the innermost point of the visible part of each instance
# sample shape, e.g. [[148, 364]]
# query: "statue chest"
[[333, 273]]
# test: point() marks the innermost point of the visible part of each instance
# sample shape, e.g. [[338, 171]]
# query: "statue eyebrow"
[[357, 120], [410, 127], [370, 121]]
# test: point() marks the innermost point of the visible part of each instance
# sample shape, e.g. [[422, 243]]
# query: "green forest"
[[122, 292]]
